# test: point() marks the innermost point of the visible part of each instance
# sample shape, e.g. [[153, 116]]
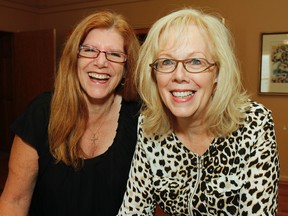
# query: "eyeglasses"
[[192, 65], [91, 52]]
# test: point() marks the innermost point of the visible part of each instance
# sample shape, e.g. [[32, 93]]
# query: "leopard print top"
[[237, 175]]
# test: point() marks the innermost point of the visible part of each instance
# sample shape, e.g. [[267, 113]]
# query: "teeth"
[[99, 76], [182, 94]]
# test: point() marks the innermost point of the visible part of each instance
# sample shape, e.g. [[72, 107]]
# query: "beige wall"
[[246, 18]]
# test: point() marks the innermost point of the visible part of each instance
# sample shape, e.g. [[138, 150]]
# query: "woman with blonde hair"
[[73, 146], [204, 148]]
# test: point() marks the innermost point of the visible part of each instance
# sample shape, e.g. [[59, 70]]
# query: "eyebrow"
[[106, 50]]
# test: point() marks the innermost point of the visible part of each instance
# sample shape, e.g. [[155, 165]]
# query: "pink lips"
[[181, 96]]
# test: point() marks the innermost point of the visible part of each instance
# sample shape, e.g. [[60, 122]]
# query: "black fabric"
[[95, 189]]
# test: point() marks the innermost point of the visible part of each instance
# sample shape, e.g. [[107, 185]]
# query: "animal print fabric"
[[237, 175]]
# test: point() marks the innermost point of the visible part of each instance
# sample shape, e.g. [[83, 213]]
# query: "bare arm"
[[23, 169]]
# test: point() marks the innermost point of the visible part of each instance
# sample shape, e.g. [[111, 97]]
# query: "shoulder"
[[131, 107], [129, 114], [42, 100], [151, 139], [31, 125], [39, 105], [257, 110], [258, 117]]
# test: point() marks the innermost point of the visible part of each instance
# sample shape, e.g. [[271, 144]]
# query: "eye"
[[89, 49], [196, 61], [115, 54], [166, 62]]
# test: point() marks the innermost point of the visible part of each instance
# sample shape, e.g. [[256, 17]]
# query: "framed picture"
[[274, 64]]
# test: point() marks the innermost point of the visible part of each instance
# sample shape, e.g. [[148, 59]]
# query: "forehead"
[[102, 37], [189, 37]]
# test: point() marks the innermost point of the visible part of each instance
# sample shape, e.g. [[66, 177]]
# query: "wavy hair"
[[69, 112], [226, 110]]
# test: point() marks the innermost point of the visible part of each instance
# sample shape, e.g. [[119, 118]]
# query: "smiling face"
[[186, 94], [99, 77]]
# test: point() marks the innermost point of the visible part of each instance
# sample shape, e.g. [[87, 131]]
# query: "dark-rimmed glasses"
[[91, 52], [192, 65]]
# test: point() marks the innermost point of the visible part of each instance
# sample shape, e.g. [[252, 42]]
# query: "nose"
[[100, 60], [180, 74]]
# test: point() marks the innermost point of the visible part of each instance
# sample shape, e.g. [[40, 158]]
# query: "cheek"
[[162, 80], [159, 85], [82, 64], [119, 74], [162, 84], [119, 71], [208, 81]]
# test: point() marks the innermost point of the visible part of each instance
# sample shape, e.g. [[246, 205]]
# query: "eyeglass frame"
[[152, 65], [101, 51]]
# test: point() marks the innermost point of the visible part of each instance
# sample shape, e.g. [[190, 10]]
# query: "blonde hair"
[[69, 113], [226, 110]]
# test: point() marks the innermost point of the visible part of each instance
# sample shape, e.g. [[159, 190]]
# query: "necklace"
[[94, 138]]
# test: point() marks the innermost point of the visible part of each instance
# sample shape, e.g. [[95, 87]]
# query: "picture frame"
[[274, 64]]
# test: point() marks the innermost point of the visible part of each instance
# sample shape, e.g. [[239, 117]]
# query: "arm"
[[23, 169], [138, 199], [259, 195]]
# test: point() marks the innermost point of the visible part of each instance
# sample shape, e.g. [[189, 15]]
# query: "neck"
[[101, 127], [194, 135], [190, 126], [100, 109]]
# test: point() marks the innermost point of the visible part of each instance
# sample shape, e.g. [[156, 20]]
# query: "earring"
[[122, 83]]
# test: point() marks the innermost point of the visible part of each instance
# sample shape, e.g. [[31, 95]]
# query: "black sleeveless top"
[[95, 189]]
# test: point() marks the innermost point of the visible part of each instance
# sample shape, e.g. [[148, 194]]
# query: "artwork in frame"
[[274, 64]]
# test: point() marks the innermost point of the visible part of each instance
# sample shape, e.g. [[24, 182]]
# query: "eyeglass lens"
[[192, 65], [92, 52]]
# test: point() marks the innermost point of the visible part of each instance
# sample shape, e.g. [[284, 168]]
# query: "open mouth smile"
[[183, 94], [99, 76]]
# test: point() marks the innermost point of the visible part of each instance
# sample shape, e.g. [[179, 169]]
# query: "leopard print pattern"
[[237, 175]]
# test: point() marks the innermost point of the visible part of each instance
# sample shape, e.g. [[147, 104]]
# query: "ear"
[[217, 74]]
